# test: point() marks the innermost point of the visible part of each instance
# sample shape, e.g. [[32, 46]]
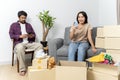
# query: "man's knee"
[[19, 47], [39, 45]]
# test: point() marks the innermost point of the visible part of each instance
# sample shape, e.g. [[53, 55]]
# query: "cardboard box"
[[99, 42], [67, 70], [94, 75], [112, 31], [40, 63], [108, 43], [100, 32], [41, 74], [71, 70], [109, 31], [115, 54], [103, 72]]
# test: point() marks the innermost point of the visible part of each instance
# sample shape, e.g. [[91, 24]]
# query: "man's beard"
[[23, 22]]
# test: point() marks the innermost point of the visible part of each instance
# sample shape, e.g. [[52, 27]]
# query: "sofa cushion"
[[63, 51]]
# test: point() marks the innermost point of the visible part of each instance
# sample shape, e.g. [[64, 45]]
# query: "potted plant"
[[47, 23]]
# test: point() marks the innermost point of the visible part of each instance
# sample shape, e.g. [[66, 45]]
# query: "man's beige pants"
[[20, 51]]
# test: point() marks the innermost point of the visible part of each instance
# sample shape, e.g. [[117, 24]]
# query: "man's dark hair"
[[22, 13], [84, 14]]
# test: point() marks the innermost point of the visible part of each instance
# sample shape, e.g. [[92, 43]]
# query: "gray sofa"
[[59, 47]]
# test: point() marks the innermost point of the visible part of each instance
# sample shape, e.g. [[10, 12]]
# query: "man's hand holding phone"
[[30, 35], [23, 36], [27, 36]]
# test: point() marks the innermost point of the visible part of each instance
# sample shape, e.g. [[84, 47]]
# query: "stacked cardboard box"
[[108, 37], [103, 72], [67, 70]]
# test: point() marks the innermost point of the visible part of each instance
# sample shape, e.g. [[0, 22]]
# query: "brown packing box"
[[94, 75], [103, 72], [99, 42], [109, 31], [71, 70], [40, 63], [40, 74], [100, 32], [112, 31], [115, 54], [108, 43], [68, 70]]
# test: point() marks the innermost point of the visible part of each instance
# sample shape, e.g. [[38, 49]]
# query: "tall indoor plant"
[[47, 23]]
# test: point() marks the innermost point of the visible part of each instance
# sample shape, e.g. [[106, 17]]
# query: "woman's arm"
[[91, 41], [72, 30]]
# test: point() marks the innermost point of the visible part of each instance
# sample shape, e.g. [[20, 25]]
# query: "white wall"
[[100, 12], [107, 12], [64, 10]]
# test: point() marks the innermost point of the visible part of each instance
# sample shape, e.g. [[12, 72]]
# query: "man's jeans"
[[81, 47]]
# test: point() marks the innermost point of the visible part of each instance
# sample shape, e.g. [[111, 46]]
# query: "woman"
[[81, 37]]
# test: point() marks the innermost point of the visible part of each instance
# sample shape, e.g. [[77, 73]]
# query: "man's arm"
[[31, 33], [12, 34]]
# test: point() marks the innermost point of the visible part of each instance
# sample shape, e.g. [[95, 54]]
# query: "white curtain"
[[118, 12]]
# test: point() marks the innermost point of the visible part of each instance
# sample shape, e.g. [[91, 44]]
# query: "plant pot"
[[44, 43]]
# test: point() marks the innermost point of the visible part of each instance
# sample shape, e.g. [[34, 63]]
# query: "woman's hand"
[[72, 29], [94, 50]]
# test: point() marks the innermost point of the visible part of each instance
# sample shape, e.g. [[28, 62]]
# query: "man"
[[24, 37]]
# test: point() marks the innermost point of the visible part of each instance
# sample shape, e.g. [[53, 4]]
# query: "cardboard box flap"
[[41, 74], [72, 63], [95, 75], [106, 68], [71, 73]]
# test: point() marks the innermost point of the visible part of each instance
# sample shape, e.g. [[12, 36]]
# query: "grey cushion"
[[63, 51]]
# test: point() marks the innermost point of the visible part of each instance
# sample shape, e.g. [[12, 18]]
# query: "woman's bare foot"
[[22, 73]]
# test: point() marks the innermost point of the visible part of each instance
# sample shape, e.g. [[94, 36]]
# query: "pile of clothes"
[[101, 58]]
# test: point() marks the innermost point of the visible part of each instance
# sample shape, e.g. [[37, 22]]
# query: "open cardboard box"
[[66, 70], [103, 72]]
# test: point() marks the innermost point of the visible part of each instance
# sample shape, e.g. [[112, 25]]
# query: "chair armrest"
[[90, 52], [53, 45]]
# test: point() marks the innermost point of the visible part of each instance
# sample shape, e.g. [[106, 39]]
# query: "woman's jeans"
[[81, 47]]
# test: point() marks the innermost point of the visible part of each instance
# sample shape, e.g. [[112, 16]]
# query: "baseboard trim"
[[6, 62]]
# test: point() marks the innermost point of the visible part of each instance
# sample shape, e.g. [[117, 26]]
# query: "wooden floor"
[[8, 72]]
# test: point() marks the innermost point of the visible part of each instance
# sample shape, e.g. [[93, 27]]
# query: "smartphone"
[[75, 24]]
